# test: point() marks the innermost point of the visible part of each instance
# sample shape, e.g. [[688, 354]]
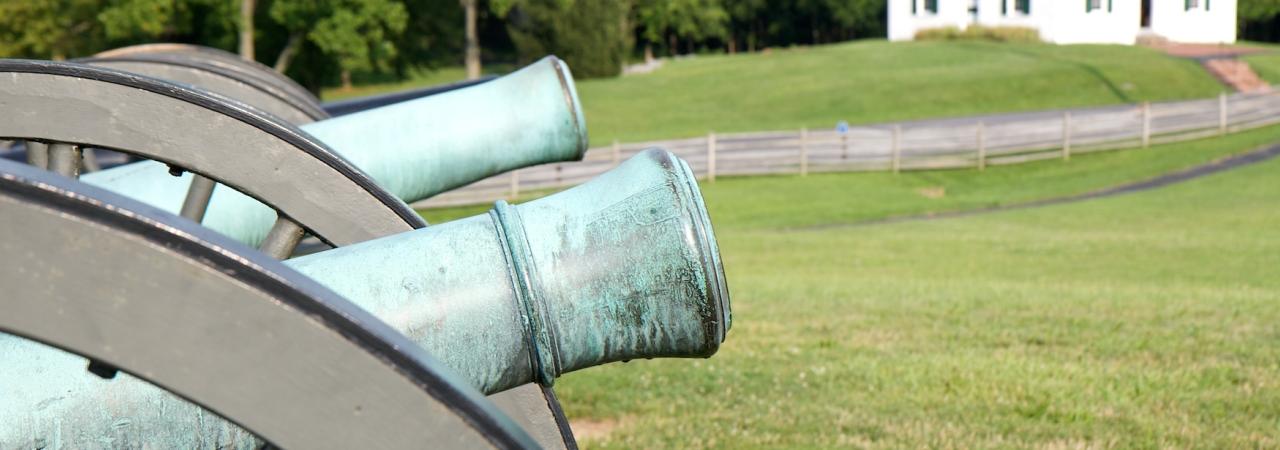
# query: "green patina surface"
[[414, 149], [622, 267]]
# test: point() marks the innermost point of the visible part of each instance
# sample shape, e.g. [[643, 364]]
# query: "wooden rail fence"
[[971, 142]]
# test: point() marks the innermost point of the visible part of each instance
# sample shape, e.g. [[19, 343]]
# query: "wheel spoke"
[[64, 159], [282, 238], [198, 195], [38, 154]]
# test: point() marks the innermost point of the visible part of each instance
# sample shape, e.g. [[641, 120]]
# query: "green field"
[[1147, 320], [1267, 65], [872, 81], [413, 80]]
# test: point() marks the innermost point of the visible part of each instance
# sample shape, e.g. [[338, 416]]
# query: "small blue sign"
[[842, 127]]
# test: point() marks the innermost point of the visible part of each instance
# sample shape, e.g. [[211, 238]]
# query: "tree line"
[[327, 42], [1259, 20]]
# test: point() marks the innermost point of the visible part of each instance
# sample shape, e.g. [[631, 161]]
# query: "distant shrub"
[[979, 33], [938, 34]]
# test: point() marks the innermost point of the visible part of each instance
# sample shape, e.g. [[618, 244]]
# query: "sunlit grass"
[[1142, 321], [869, 81], [1147, 320], [416, 79], [785, 201], [1266, 65]]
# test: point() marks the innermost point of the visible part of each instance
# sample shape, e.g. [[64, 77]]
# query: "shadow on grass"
[[1087, 68]]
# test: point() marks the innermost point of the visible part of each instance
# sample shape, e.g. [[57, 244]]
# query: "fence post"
[[711, 156], [1066, 135], [515, 184], [1222, 113], [897, 147], [1146, 124], [617, 152], [804, 151], [982, 146]]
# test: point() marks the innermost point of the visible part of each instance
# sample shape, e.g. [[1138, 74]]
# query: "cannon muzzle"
[[414, 149], [623, 267]]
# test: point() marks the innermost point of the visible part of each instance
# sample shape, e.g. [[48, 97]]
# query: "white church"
[[1075, 21]]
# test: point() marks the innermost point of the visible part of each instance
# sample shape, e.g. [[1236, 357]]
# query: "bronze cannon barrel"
[[625, 266], [414, 149]]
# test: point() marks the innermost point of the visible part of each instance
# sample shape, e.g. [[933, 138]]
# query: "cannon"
[[546, 379], [413, 150], [211, 69], [220, 80], [137, 290], [625, 266], [247, 81], [326, 209], [530, 302]]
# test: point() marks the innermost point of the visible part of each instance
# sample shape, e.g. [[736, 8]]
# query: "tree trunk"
[[813, 24], [733, 43], [671, 44], [473, 40], [648, 53], [246, 29], [346, 80], [290, 49]]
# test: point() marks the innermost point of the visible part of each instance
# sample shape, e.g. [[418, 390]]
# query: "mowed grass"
[[414, 80], [874, 81], [868, 81], [1266, 65], [1147, 320], [774, 202]]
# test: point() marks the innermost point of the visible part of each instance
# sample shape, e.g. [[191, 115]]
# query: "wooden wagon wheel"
[[138, 290], [226, 60], [67, 106], [217, 79], [317, 201]]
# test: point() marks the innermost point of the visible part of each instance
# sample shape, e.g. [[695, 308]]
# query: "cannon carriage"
[[252, 177]]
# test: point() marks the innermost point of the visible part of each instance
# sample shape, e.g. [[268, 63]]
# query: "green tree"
[[1259, 19], [745, 21], [594, 37], [60, 29], [55, 29], [672, 20], [355, 34], [206, 22], [833, 20], [431, 36]]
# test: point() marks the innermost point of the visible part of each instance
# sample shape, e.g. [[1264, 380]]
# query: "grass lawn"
[[871, 81], [418, 79], [1267, 65], [1147, 320]]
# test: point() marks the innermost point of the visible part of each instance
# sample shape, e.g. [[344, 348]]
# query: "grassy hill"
[[872, 81], [1267, 65], [1140, 321]]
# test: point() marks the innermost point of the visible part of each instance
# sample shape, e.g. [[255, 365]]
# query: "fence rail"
[[971, 142]]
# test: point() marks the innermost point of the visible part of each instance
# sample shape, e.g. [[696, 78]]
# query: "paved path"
[[1221, 165]]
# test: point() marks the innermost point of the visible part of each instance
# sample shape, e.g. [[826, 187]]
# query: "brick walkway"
[[1222, 61]]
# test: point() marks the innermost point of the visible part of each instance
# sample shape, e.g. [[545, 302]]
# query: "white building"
[[1074, 21]]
